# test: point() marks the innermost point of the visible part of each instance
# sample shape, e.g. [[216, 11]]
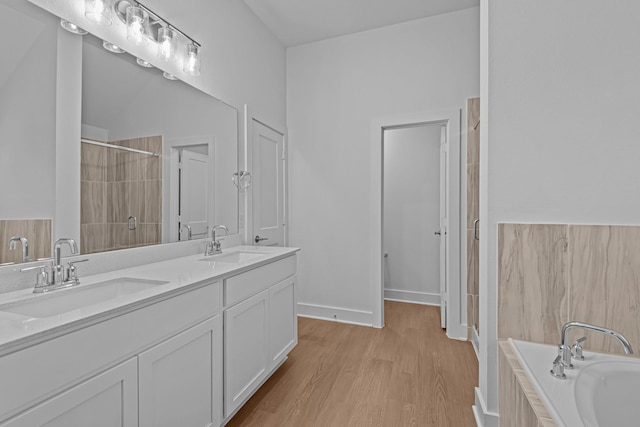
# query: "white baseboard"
[[411, 296], [484, 418], [475, 341], [336, 314]]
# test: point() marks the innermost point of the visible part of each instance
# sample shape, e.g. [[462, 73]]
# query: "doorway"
[[450, 225], [414, 207]]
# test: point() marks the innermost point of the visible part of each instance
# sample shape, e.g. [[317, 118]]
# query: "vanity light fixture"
[[143, 63], [112, 47], [192, 61], [72, 28], [144, 24], [98, 11], [169, 76]]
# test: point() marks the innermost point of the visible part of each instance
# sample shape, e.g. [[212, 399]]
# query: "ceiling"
[[296, 22]]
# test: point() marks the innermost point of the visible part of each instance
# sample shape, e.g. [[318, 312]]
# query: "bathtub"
[[601, 391]]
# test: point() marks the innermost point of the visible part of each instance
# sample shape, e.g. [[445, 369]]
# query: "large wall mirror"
[[157, 156]]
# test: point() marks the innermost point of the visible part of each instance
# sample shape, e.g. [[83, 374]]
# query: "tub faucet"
[[565, 350], [25, 247]]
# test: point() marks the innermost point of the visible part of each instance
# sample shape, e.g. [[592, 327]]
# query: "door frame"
[[246, 163], [451, 118]]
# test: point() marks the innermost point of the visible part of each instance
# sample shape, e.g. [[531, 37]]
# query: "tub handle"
[[576, 349], [558, 368]]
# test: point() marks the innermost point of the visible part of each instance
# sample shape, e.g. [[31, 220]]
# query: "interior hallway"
[[406, 374]]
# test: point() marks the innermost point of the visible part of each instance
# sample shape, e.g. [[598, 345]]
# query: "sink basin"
[[66, 300], [607, 394], [234, 257]]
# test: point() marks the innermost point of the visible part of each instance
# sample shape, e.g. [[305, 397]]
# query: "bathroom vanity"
[[180, 342]]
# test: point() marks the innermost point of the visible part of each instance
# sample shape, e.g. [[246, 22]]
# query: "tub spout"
[[565, 348]]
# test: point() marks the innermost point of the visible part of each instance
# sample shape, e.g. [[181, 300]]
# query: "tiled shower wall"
[[36, 231], [473, 197], [116, 184], [551, 274]]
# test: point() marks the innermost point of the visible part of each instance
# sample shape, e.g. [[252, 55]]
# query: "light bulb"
[[137, 23], [192, 62], [167, 44], [98, 11], [72, 28]]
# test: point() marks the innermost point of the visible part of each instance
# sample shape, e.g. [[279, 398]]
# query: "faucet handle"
[[72, 271], [558, 368], [576, 348], [42, 279]]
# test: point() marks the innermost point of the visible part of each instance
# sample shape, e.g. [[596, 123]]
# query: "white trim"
[[335, 314], [475, 341], [413, 297], [451, 118], [483, 417]]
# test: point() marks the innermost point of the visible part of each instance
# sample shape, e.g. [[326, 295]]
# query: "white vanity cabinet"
[[260, 328], [158, 365]]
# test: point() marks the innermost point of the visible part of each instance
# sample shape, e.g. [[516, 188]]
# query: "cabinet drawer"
[[251, 282]]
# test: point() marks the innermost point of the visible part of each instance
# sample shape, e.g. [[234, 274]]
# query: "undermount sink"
[[65, 300], [234, 257]]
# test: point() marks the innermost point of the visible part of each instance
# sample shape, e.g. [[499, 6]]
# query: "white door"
[[268, 186], [193, 188], [444, 225]]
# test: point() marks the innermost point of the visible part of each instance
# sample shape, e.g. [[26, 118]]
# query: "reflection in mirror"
[[127, 198]]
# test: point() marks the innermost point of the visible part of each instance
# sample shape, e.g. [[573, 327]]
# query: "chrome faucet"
[[214, 247], [55, 276], [58, 269], [566, 352], [25, 247], [188, 227]]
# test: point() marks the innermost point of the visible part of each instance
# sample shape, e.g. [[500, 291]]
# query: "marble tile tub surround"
[[11, 279], [549, 274], [473, 213]]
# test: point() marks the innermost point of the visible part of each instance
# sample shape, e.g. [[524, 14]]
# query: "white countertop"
[[181, 274]]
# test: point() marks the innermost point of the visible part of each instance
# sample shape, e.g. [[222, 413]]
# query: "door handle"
[[475, 229], [259, 239], [438, 233]]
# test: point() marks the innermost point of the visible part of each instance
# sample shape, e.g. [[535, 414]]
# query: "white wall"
[[335, 88], [27, 102], [411, 200], [560, 135]]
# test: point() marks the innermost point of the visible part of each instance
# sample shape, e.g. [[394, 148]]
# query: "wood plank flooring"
[[406, 374]]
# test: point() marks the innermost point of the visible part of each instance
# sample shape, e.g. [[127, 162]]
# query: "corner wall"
[[560, 143], [335, 88]]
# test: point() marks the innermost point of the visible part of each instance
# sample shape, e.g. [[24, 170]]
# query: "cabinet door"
[[181, 378], [109, 399], [246, 349], [283, 320]]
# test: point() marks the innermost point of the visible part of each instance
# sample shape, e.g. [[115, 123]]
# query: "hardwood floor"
[[406, 374]]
